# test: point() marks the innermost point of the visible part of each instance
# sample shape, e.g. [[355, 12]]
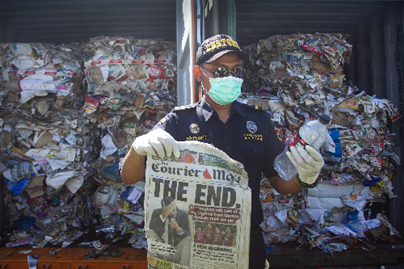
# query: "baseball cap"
[[215, 47]]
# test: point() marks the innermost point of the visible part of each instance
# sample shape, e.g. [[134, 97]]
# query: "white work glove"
[[308, 163], [155, 142]]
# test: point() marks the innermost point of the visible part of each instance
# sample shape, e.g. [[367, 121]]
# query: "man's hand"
[[175, 226], [166, 211], [308, 163], [156, 142]]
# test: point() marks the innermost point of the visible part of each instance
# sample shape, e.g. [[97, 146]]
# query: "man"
[[245, 133], [187, 158], [228, 238], [218, 236], [199, 235], [209, 234], [171, 225]]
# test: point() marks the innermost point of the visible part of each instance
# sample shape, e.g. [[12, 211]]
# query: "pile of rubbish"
[[69, 114], [46, 142], [125, 76], [38, 70], [130, 86], [296, 78]]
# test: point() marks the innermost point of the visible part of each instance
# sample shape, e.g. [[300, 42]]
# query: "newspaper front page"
[[197, 210]]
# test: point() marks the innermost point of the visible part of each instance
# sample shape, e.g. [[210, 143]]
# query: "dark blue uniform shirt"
[[248, 136]]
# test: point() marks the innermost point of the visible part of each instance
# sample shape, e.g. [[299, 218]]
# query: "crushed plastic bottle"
[[311, 133]]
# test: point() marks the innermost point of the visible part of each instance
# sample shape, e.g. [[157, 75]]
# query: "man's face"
[[172, 209], [227, 230], [186, 152], [229, 61]]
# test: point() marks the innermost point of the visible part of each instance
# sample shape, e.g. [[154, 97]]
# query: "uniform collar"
[[207, 111], [239, 108]]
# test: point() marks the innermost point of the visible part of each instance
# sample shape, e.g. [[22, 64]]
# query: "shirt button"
[[226, 127], [255, 151], [228, 147]]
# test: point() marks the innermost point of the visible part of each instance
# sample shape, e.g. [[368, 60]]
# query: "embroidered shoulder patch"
[[178, 108], [255, 107]]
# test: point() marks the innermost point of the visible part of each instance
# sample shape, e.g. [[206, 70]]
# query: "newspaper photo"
[[197, 210]]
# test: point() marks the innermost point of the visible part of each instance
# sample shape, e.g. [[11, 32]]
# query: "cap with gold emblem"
[[215, 47]]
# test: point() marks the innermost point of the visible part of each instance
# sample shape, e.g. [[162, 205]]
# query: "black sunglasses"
[[224, 72]]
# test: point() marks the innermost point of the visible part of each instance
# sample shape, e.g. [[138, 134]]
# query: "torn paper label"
[[19, 171], [37, 154], [340, 230], [136, 218], [316, 214], [74, 184], [108, 146], [71, 138], [355, 201], [58, 180], [67, 154], [57, 164]]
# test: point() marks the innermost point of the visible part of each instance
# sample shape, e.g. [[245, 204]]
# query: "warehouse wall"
[[78, 20], [377, 68], [9, 34], [394, 18]]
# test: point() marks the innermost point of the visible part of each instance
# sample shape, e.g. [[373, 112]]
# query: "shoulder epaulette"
[[255, 107], [179, 108]]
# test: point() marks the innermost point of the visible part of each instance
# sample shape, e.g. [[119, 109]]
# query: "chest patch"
[[194, 128], [196, 137], [253, 137], [251, 126]]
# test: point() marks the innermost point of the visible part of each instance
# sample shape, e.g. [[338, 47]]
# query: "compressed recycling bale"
[[301, 76], [44, 128]]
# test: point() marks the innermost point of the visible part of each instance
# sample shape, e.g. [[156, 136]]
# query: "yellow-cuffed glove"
[[155, 142], [308, 163]]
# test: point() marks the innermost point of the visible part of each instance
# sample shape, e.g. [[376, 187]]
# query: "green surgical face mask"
[[225, 90]]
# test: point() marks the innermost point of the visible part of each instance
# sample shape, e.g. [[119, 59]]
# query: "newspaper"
[[197, 210]]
